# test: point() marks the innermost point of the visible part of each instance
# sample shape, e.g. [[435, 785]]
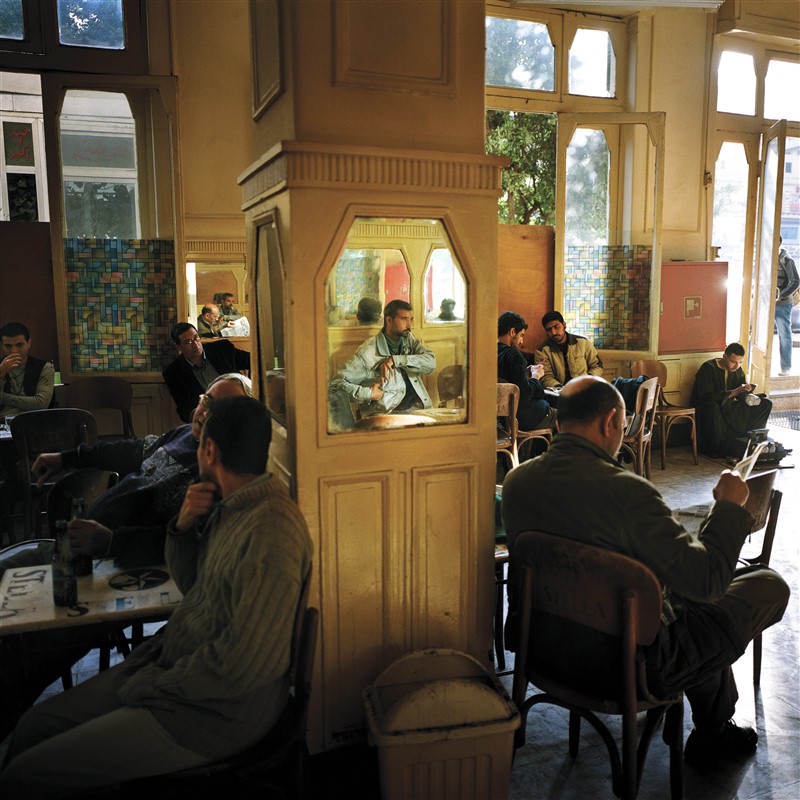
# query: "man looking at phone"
[[512, 367], [214, 681], [564, 355], [725, 403]]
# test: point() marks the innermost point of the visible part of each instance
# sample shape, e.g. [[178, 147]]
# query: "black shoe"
[[731, 741]]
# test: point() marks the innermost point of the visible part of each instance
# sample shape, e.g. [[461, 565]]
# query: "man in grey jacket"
[[384, 376]]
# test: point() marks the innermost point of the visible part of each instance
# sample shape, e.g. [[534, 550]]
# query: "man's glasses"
[[203, 401], [186, 342]]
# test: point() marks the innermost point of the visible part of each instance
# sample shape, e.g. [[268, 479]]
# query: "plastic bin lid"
[[437, 688]]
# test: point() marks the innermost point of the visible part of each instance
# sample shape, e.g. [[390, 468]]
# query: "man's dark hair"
[[227, 294], [15, 329], [241, 427], [734, 348], [206, 310], [508, 320], [394, 306], [552, 316], [180, 329], [593, 401]]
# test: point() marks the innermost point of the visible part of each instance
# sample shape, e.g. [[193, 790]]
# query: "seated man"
[[384, 375], [215, 679], [227, 309], [712, 609], [127, 523], [209, 323], [721, 397], [512, 367], [565, 355], [192, 372], [26, 382]]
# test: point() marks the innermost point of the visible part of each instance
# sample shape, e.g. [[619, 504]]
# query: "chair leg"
[[574, 732], [673, 738], [499, 641], [757, 661]]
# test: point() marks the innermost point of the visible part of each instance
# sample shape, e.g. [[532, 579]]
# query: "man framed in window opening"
[[384, 376], [565, 355]]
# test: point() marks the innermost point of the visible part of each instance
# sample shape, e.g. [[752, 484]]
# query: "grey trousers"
[[83, 739]]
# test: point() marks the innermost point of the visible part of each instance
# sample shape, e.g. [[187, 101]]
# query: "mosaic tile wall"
[[122, 303], [607, 295]]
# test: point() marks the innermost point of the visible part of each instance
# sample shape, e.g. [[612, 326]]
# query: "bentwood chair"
[[507, 401], [526, 438], [48, 430], [764, 503], [450, 385], [639, 436], [567, 584], [667, 414], [103, 391]]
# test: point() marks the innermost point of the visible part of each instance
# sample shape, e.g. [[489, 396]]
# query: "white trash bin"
[[444, 727]]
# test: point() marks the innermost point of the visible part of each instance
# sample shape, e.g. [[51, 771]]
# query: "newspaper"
[[239, 327], [745, 466]]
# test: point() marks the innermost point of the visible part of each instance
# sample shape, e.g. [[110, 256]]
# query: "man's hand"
[[386, 369], [740, 390], [8, 363], [199, 499], [88, 537], [377, 392], [45, 466], [535, 371], [732, 488]]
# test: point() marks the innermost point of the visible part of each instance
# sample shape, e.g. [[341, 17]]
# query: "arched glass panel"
[[588, 162], [396, 319], [736, 83], [592, 64]]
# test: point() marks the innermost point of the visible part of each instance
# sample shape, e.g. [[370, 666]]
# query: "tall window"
[[588, 163]]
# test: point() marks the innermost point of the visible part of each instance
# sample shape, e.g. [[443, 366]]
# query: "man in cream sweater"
[[214, 680]]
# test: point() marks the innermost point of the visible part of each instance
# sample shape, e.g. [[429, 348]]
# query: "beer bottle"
[[65, 587], [82, 564]]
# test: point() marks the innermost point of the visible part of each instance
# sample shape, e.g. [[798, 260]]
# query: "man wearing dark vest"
[[26, 383]]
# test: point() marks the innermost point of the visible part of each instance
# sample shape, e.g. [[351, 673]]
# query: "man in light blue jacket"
[[384, 376]]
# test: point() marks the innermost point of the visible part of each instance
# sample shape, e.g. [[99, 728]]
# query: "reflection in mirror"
[[396, 305]]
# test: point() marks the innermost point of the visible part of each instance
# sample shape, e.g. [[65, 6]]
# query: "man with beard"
[[384, 376], [565, 355]]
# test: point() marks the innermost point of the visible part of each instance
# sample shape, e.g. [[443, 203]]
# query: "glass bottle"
[[65, 586], [82, 564]]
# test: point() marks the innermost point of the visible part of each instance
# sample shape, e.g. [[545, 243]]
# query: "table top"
[[109, 594]]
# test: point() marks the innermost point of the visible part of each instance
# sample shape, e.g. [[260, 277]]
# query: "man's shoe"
[[731, 741], [784, 374]]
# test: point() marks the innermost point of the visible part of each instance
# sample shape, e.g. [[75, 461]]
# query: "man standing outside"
[[565, 355], [26, 382], [721, 396], [712, 609], [787, 283], [209, 323], [384, 375], [512, 367], [195, 368], [215, 680]]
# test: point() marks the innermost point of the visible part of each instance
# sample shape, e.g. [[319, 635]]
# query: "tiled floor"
[[543, 767]]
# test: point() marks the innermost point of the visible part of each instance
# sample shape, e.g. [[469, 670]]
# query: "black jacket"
[[184, 386]]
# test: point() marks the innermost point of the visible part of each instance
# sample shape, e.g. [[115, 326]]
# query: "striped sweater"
[[216, 679]]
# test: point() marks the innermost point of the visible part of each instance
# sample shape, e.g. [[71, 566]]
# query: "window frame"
[[39, 169], [41, 46]]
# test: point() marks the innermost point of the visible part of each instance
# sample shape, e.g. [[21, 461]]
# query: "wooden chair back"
[[640, 432], [89, 483], [764, 503], [103, 391], [507, 428], [450, 385]]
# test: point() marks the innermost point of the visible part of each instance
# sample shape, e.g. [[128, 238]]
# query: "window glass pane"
[[736, 83], [730, 222], [588, 163], [98, 156], [445, 290], [12, 25], [18, 140], [592, 66], [519, 54], [529, 182], [22, 204], [781, 90], [790, 208], [91, 23]]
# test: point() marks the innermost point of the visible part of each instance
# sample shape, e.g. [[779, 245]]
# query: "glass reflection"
[[396, 314]]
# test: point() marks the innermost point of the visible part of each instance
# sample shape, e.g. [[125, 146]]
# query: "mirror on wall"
[[222, 284], [407, 368]]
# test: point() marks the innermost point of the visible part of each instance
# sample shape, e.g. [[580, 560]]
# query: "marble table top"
[[109, 594]]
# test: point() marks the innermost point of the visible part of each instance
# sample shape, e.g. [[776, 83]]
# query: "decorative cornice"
[[296, 165], [216, 247]]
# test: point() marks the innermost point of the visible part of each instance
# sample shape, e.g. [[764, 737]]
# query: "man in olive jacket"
[[711, 610]]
